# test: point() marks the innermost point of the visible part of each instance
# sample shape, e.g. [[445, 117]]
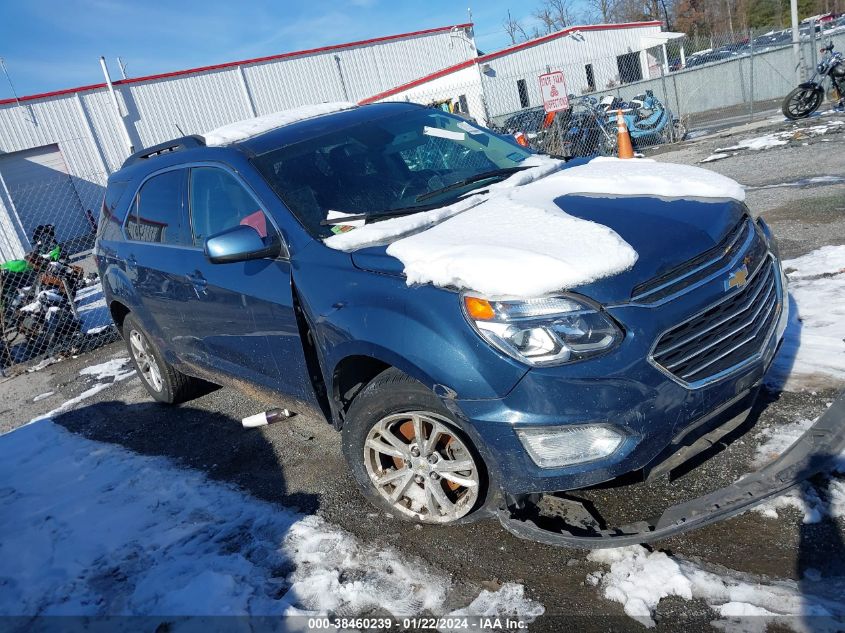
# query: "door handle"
[[131, 263]]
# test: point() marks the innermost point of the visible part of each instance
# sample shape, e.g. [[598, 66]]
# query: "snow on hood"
[[516, 241], [240, 130]]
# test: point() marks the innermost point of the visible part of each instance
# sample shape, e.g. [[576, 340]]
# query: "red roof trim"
[[257, 60], [505, 51]]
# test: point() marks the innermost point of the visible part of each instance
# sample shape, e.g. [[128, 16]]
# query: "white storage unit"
[[592, 58]]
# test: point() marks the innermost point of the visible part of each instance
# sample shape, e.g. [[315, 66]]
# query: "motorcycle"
[[648, 121], [37, 296], [808, 96]]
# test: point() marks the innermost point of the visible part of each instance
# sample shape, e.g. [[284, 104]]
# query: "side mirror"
[[241, 243]]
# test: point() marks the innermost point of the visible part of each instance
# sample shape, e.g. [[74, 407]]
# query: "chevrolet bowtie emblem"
[[738, 278]]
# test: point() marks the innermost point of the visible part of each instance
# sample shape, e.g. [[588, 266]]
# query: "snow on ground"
[[813, 352], [803, 182], [776, 139], [43, 396], [516, 241], [639, 579], [240, 130], [114, 369], [89, 528], [715, 157]]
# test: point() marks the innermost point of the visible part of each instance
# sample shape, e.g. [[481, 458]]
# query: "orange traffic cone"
[[623, 139]]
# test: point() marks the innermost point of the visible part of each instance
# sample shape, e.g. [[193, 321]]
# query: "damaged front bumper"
[[813, 453]]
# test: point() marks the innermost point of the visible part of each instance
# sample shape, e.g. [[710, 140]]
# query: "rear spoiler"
[[813, 453]]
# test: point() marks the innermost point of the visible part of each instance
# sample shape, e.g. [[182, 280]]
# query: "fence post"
[[751, 75]]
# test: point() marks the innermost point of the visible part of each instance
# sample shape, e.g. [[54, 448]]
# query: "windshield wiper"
[[495, 173]]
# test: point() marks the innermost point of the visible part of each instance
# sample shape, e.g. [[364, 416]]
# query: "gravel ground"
[[298, 463]]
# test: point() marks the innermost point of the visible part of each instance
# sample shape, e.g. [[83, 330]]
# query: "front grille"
[[680, 278], [725, 335]]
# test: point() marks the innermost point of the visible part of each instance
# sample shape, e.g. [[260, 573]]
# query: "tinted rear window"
[[156, 215]]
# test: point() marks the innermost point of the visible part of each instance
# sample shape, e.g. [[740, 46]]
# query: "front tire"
[[161, 380], [801, 103], [407, 455]]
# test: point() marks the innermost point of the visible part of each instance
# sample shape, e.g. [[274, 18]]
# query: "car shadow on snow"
[[213, 443]]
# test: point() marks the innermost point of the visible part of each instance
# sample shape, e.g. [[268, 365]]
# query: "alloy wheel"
[[419, 465], [145, 360]]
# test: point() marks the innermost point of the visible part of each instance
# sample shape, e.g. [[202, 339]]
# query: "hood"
[[664, 233]]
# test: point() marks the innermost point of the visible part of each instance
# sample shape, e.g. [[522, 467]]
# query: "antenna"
[[12, 86], [180, 129], [122, 67]]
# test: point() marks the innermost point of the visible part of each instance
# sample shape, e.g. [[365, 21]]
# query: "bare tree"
[[554, 15], [515, 30], [601, 10]]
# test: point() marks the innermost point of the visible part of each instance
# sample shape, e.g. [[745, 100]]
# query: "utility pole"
[[796, 39]]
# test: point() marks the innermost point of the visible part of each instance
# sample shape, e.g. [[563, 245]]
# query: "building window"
[[629, 68], [591, 78], [522, 88]]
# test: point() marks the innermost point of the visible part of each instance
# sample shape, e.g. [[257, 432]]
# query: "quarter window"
[[156, 214], [220, 202]]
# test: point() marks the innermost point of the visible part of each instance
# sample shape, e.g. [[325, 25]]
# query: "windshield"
[[401, 164]]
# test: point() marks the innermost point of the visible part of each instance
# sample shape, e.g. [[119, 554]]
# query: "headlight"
[[555, 447], [545, 331]]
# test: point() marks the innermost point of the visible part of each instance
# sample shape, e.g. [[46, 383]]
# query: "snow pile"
[[241, 130], [813, 351], [515, 241], [777, 139], [513, 246], [812, 503], [607, 176], [93, 529], [715, 157], [639, 580]]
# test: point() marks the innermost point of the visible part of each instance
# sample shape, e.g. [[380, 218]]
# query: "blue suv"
[[215, 267]]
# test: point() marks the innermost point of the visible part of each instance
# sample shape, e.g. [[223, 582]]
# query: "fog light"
[[555, 447]]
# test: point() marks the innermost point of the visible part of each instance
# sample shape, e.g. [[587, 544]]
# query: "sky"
[[50, 45]]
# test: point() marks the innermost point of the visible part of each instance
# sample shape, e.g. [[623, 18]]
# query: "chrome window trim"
[[780, 289]]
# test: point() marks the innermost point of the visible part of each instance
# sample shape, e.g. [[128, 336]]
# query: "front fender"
[[420, 330], [811, 85]]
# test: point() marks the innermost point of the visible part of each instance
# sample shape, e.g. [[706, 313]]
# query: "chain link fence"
[[51, 299], [681, 84]]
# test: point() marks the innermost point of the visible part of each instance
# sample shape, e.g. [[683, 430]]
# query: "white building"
[[593, 58]]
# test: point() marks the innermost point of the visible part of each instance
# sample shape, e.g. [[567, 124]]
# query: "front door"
[[246, 325]]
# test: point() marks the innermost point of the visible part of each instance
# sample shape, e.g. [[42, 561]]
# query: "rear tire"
[[161, 380], [801, 103], [408, 456]]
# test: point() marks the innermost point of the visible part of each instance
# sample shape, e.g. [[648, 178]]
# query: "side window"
[[220, 202], [156, 213]]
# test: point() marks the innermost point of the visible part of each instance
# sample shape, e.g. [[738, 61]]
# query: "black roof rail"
[[186, 142]]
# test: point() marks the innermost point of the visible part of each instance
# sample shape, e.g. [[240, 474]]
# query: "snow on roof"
[[241, 130], [516, 241]]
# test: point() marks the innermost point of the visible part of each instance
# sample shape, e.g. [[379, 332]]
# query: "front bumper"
[[814, 452]]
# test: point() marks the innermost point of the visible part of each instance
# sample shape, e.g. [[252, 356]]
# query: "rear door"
[[157, 239], [243, 311]]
